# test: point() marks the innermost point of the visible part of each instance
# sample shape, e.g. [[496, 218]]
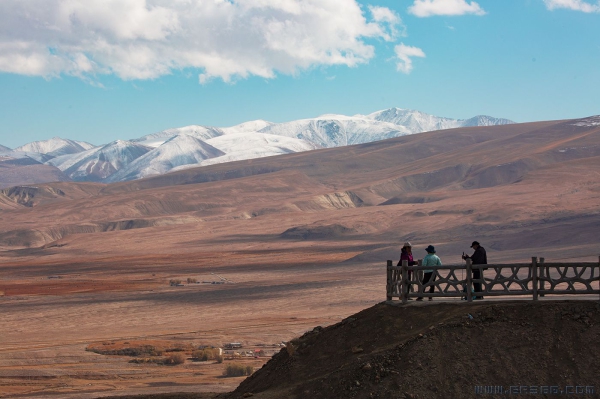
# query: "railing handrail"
[[538, 274], [498, 265]]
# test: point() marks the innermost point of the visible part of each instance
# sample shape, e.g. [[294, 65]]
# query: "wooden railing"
[[533, 279]]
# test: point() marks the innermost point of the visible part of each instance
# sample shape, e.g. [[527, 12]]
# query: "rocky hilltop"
[[438, 350]]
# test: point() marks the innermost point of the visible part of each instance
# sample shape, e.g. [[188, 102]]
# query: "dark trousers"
[[426, 278], [476, 276]]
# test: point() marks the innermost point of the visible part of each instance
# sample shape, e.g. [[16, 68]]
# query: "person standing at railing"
[[431, 260], [479, 257], [406, 254]]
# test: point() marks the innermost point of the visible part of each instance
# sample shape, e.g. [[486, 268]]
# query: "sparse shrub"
[[219, 359], [200, 355], [206, 354], [144, 350], [237, 370], [154, 351], [174, 359], [191, 281], [174, 282], [176, 349]]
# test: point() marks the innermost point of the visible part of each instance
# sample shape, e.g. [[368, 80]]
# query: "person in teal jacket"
[[431, 260]]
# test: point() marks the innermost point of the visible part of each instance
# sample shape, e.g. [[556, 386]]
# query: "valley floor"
[[51, 313]]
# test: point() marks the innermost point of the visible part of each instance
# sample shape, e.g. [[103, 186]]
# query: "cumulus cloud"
[[226, 39], [389, 19], [404, 54], [576, 5], [428, 8]]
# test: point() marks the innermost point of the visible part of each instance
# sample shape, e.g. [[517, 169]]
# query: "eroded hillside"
[[498, 183], [444, 350]]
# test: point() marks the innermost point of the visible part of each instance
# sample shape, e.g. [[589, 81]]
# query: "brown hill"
[[27, 171], [440, 350], [497, 183]]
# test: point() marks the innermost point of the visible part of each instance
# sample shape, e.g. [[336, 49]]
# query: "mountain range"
[[190, 146]]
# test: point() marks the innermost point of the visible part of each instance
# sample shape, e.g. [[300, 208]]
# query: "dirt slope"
[[437, 351], [27, 171]]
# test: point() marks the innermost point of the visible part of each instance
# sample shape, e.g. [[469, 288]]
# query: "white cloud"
[[404, 54], [386, 17], [577, 5], [428, 8], [145, 39]]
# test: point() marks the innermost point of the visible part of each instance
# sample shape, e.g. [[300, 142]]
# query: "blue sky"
[[101, 70]]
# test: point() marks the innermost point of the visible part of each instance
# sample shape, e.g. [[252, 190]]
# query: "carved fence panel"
[[475, 281]]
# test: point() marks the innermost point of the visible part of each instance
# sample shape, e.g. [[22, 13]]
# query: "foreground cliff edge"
[[439, 350]]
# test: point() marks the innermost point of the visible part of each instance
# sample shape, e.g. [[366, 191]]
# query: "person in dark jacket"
[[406, 254], [479, 257]]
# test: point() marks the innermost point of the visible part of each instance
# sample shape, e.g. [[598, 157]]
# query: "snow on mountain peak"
[[588, 122], [337, 117], [194, 145], [247, 127], [55, 147], [99, 163], [335, 130], [485, 120], [183, 149], [417, 121], [200, 132]]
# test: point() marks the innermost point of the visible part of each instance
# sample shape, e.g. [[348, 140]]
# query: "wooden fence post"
[[469, 280], [390, 284], [534, 279], [419, 275], [543, 275], [405, 284]]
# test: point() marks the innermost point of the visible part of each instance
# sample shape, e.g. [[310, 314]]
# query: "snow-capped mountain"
[[183, 151], [4, 149], [239, 146], [176, 151], [190, 146], [200, 132], [337, 130], [99, 163], [247, 127], [484, 120], [418, 122], [55, 147]]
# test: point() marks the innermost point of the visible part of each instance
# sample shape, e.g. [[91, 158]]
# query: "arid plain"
[[301, 239]]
